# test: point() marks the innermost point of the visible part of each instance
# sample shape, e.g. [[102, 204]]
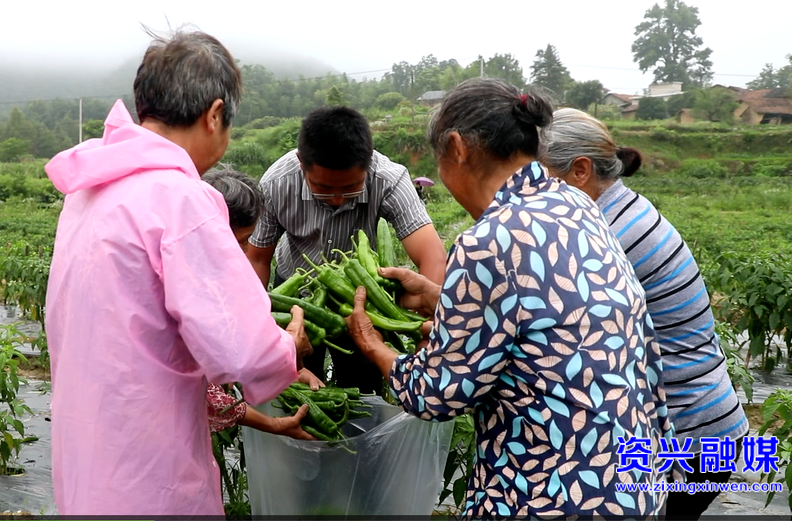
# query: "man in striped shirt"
[[701, 400], [319, 195]]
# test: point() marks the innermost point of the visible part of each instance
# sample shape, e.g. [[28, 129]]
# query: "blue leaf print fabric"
[[542, 333]]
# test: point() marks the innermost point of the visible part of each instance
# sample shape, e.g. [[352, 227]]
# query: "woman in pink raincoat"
[[150, 297]]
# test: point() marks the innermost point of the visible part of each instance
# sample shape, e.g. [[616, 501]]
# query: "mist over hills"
[[32, 81]]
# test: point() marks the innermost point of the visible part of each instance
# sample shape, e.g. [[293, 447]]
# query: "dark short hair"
[[337, 138], [244, 200], [181, 76], [493, 115]]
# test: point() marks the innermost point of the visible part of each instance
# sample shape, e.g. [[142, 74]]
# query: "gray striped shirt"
[[701, 400], [298, 223]]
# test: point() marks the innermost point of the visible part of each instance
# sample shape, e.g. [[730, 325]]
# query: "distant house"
[[769, 106], [629, 111], [665, 90], [431, 97], [685, 116], [629, 104], [618, 100]]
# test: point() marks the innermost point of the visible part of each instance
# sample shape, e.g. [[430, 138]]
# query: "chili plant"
[[759, 291], [736, 366], [459, 464], [12, 408], [24, 274], [777, 414], [233, 476]]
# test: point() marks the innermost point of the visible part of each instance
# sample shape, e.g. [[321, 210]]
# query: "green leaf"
[[5, 453], [788, 476], [775, 319], [460, 490]]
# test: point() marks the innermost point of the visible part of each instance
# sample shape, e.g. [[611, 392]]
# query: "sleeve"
[[403, 208], [216, 401], [475, 326], [223, 312], [268, 228]]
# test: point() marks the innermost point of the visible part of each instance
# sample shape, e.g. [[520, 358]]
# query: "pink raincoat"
[[149, 297]]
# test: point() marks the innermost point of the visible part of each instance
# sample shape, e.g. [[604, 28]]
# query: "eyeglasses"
[[327, 197]]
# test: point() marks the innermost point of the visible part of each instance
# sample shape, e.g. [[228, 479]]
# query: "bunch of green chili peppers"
[[326, 294]]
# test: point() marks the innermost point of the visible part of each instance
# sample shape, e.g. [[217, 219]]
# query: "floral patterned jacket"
[[542, 333]]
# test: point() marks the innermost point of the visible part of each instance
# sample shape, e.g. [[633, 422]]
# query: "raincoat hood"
[[124, 149]]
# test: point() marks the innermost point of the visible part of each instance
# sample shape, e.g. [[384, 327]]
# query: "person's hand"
[[420, 293], [290, 425], [360, 327], [310, 379], [426, 328], [297, 330]]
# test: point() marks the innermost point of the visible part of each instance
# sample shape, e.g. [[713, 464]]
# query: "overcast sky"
[[593, 38]]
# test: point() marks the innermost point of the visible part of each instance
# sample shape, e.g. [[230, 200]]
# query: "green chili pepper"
[[360, 277], [366, 257], [333, 324], [380, 322], [319, 291], [290, 286], [385, 250], [322, 421], [359, 414], [316, 433], [336, 282], [316, 334]]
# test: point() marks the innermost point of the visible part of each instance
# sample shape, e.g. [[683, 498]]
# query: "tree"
[[549, 73], [767, 79], [770, 78], [402, 77], [651, 108], [20, 127], [686, 100], [505, 67], [667, 42], [716, 104], [12, 149], [389, 100], [93, 129], [46, 144], [583, 94], [335, 96]]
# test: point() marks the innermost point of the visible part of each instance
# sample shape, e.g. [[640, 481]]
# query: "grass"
[[744, 215]]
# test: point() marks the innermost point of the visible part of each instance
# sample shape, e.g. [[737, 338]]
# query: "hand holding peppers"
[[368, 339], [289, 425], [297, 330], [308, 378], [420, 293]]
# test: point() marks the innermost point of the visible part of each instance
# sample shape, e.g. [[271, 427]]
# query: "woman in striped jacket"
[[701, 400]]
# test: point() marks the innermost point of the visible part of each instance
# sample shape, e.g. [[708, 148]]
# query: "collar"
[[611, 194], [533, 173]]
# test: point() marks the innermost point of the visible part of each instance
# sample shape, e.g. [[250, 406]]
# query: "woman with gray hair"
[[701, 400], [540, 327], [245, 204]]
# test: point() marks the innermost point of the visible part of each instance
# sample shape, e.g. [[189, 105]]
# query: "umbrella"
[[423, 181]]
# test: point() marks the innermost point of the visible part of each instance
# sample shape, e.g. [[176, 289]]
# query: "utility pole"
[[482, 66], [80, 120]]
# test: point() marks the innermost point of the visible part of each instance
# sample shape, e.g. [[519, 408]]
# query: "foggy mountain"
[[34, 82]]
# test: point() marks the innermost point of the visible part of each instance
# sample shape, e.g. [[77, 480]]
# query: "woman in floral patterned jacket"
[[540, 328]]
